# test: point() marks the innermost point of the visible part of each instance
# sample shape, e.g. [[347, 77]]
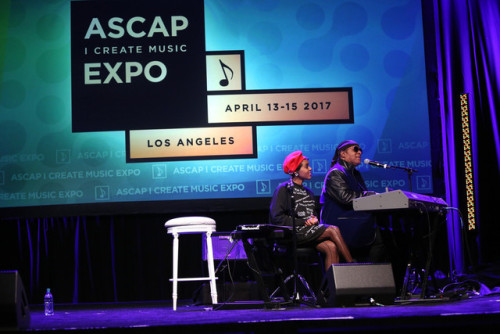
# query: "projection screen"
[[151, 106]]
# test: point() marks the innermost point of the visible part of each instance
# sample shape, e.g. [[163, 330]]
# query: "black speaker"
[[357, 285], [14, 309]]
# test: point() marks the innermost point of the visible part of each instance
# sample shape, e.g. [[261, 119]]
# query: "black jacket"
[[342, 184]]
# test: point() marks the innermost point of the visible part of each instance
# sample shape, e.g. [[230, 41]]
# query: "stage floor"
[[480, 314]]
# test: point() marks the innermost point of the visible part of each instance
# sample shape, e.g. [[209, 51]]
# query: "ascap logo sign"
[[135, 28], [137, 65], [118, 28], [142, 67]]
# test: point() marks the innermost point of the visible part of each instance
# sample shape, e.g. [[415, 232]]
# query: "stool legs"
[[211, 271], [175, 262], [175, 269]]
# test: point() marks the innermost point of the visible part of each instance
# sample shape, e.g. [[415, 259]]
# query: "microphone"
[[376, 163], [379, 164]]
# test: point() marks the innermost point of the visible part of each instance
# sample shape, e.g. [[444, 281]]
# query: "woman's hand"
[[313, 220]]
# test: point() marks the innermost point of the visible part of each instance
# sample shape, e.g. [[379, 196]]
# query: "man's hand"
[[369, 193]]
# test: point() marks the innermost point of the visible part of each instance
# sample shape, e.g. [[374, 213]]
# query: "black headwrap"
[[342, 147]]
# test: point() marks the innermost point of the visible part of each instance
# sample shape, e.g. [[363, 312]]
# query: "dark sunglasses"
[[357, 149]]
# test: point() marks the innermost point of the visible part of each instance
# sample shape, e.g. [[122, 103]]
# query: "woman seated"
[[293, 201]]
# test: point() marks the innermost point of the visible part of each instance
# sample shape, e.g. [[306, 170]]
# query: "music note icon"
[[101, 193], [224, 82], [159, 172]]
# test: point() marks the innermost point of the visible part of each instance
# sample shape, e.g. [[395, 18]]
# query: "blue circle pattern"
[[310, 16], [13, 137], [292, 44], [354, 57]]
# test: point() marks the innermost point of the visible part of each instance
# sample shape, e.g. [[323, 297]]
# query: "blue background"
[[376, 47]]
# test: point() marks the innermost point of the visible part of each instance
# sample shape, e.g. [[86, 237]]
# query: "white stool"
[[190, 225]]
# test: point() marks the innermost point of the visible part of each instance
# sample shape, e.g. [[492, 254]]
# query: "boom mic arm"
[[410, 171]]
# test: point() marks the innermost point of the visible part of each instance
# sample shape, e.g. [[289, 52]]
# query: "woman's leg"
[[333, 233], [328, 248]]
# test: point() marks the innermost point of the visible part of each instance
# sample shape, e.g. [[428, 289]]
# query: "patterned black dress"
[[290, 195]]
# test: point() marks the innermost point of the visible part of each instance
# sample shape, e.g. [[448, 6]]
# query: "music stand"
[[296, 299]]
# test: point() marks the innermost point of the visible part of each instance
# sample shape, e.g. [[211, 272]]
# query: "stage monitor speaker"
[[358, 285], [14, 308]]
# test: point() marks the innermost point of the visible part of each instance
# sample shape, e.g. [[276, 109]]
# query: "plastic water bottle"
[[49, 303]]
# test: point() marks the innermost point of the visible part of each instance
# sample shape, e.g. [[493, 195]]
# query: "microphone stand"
[[410, 171], [295, 295]]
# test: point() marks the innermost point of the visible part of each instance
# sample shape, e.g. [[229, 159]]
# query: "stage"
[[478, 313]]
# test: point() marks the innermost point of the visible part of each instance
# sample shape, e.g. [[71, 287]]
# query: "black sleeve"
[[338, 188], [279, 211]]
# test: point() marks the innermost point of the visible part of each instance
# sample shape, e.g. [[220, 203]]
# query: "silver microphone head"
[[367, 161]]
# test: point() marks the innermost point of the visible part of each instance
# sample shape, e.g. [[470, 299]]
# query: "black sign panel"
[[138, 65]]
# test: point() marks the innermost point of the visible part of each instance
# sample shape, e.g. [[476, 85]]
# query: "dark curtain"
[[89, 259], [468, 61], [106, 258]]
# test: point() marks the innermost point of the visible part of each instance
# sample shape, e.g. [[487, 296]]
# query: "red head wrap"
[[292, 161]]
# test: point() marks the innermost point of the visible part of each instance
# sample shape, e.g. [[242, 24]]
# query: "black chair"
[[309, 270], [270, 253]]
